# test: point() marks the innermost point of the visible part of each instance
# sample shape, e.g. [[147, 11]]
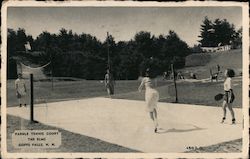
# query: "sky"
[[121, 22]]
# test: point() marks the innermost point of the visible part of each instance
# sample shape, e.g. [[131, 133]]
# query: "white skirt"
[[151, 98]]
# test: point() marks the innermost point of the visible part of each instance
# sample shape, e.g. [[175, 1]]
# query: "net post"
[[31, 99], [108, 48], [52, 81], [176, 94]]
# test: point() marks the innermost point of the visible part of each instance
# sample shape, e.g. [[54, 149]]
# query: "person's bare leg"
[[155, 120], [232, 112], [108, 90], [224, 106], [25, 100], [151, 115], [19, 102], [155, 117]]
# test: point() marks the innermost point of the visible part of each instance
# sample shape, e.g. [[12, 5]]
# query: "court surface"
[[126, 123]]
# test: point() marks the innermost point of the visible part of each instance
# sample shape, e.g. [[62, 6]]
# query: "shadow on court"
[[177, 130]]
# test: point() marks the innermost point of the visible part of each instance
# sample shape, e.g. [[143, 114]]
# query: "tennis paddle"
[[218, 96]]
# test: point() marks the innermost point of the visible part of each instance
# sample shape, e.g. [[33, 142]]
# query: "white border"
[[245, 58]]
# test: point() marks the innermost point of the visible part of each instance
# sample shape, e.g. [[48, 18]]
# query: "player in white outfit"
[[228, 96], [151, 98], [21, 90], [109, 83]]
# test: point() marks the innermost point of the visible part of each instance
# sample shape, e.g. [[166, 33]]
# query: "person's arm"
[[141, 85], [229, 85]]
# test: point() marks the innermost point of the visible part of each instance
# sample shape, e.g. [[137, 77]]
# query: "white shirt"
[[146, 81], [20, 85], [109, 79], [228, 84]]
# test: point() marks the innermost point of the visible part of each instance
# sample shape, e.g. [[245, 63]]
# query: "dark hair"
[[230, 73]]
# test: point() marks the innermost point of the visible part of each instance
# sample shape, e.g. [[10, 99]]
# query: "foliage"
[[219, 33], [197, 49], [83, 56]]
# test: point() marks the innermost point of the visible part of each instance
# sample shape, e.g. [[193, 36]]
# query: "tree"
[[196, 49], [109, 46], [65, 39], [206, 33], [144, 44], [224, 32], [16, 41], [216, 33], [174, 47], [15, 47], [128, 67], [11, 42], [237, 39]]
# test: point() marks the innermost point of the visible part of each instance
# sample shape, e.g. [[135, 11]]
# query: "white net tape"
[[38, 72]]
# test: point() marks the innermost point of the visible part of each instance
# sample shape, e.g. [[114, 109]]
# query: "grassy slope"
[[227, 59]]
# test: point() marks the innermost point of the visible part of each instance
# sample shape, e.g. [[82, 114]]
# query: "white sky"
[[121, 22]]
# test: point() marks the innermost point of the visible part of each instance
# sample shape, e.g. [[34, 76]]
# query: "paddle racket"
[[218, 97]]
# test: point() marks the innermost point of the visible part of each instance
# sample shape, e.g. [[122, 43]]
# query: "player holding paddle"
[[229, 95], [151, 97]]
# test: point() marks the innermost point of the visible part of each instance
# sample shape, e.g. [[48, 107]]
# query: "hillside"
[[200, 64]]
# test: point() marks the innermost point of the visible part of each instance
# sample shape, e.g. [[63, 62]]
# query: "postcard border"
[[245, 58]]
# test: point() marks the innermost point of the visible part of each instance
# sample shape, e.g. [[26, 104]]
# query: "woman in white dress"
[[151, 97], [21, 90], [228, 96]]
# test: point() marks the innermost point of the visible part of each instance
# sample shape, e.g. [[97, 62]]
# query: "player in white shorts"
[[21, 90], [228, 96], [151, 97]]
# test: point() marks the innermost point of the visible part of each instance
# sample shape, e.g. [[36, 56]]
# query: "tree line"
[[84, 56]]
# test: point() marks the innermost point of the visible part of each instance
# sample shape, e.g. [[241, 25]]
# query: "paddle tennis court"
[[126, 123]]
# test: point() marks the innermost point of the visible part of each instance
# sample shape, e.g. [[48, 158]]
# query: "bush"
[[12, 69]]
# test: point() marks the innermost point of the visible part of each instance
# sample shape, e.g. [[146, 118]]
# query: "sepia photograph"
[[124, 79]]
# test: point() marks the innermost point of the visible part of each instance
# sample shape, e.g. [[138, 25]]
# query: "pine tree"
[[206, 33]]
